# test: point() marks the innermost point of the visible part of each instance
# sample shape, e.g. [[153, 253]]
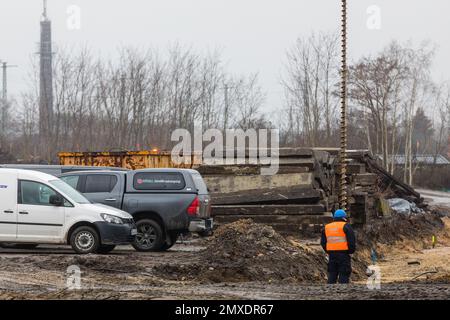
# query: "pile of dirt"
[[257, 252], [246, 251], [400, 227]]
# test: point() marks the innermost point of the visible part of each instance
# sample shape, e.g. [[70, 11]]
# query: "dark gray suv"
[[163, 202]]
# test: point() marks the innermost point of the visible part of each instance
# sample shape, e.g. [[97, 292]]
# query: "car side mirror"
[[56, 200]]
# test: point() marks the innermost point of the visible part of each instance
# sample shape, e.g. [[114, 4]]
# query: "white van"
[[37, 208]]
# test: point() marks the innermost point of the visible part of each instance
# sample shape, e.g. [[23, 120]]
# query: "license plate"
[[133, 232]]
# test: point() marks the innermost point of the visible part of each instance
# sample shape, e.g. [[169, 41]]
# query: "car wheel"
[[149, 237], [105, 248], [85, 240], [173, 240]]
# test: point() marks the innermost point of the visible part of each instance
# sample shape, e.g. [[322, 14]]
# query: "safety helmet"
[[340, 214]]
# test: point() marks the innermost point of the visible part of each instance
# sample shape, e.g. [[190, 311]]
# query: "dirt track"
[[41, 274], [243, 261]]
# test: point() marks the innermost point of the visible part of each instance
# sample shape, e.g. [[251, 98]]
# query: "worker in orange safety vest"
[[338, 240]]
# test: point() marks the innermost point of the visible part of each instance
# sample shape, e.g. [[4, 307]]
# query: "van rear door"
[[8, 206]]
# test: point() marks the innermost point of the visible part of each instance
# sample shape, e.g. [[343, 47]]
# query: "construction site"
[[266, 241], [267, 229]]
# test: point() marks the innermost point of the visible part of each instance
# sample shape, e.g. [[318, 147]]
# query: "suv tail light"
[[194, 208]]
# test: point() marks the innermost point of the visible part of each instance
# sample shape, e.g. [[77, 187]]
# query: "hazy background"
[[252, 34]]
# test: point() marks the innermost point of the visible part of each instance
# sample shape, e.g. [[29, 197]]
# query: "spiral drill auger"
[[343, 122]]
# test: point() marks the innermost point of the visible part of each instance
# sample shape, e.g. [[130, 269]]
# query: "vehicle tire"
[[85, 240], [173, 240], [150, 236], [28, 246], [105, 248]]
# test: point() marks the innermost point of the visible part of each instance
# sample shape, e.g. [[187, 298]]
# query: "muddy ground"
[[243, 261]]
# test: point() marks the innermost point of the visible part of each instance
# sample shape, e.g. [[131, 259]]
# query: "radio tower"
[[46, 80]]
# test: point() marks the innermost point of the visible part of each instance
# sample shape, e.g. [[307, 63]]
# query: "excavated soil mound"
[[400, 227], [246, 251], [254, 251]]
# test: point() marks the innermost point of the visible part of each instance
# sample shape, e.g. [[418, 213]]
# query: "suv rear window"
[[158, 181], [96, 183]]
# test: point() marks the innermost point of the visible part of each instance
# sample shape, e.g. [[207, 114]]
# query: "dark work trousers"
[[339, 267]]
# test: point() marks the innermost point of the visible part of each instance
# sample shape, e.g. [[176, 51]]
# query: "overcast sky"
[[253, 34]]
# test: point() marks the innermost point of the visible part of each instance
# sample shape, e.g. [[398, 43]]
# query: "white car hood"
[[101, 208]]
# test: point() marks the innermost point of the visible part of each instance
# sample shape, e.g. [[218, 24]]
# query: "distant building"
[[419, 159]]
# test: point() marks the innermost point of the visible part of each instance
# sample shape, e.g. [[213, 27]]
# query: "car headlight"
[[111, 219]]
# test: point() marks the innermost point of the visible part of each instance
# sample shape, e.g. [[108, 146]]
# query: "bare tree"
[[388, 89], [136, 101], [442, 119], [311, 75], [417, 88], [375, 85]]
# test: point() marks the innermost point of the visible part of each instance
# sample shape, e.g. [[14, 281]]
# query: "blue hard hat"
[[340, 214]]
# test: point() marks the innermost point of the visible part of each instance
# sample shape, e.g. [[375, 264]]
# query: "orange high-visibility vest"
[[336, 238]]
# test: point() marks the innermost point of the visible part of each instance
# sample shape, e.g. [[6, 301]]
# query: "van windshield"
[[69, 191]]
